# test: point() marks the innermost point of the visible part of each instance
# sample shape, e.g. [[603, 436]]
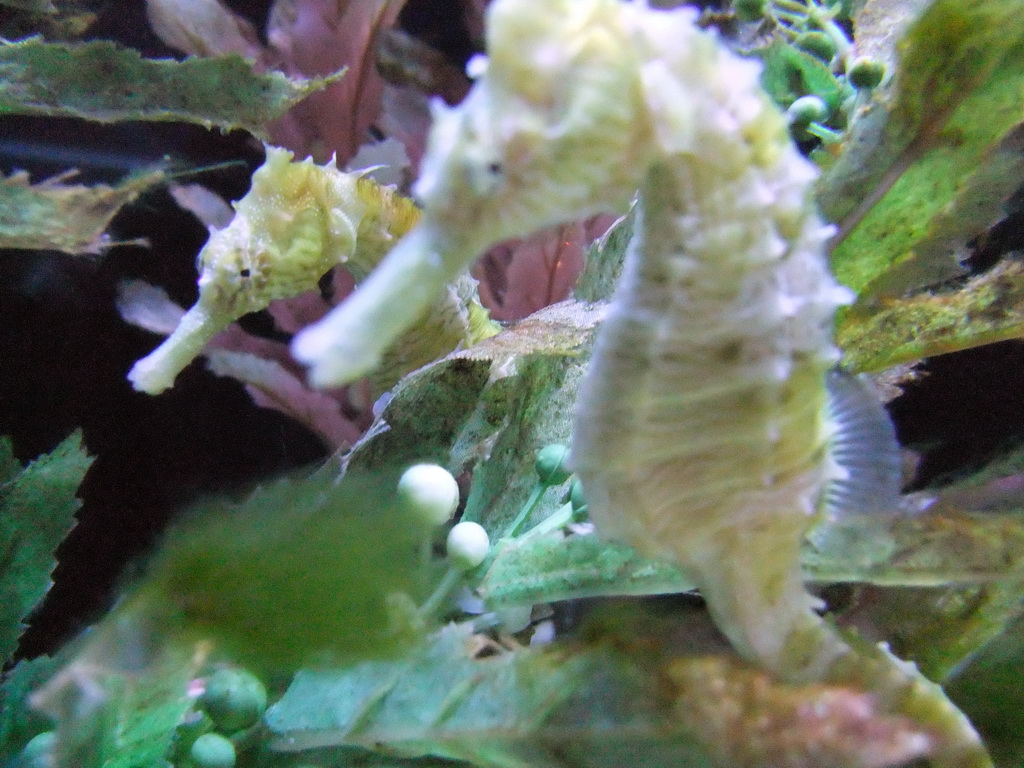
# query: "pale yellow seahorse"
[[299, 220], [701, 435]]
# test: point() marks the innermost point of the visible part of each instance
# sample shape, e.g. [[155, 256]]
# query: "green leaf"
[[631, 699], [110, 716], [990, 688], [604, 261], [928, 166], [937, 628], [37, 508], [947, 546], [790, 73], [301, 570], [545, 357], [989, 308], [18, 721], [64, 217], [489, 409], [103, 81]]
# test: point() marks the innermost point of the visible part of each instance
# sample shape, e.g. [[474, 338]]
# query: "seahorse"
[[299, 220], [702, 434]]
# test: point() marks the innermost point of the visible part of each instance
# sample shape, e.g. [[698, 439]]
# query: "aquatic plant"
[[684, 431]]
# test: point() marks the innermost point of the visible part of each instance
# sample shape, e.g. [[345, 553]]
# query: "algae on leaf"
[[987, 309], [105, 82], [928, 165], [37, 509], [66, 217]]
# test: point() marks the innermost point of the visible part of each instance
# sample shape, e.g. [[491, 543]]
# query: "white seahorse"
[[702, 435]]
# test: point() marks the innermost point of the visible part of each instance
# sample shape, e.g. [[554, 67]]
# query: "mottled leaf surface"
[[633, 699], [37, 509], [103, 81], [921, 550], [65, 217], [986, 309], [489, 409], [928, 165]]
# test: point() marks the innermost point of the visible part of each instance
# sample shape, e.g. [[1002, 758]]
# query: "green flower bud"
[[865, 72], [550, 465], [576, 499], [211, 750], [468, 545], [430, 492], [234, 699], [807, 110], [818, 44]]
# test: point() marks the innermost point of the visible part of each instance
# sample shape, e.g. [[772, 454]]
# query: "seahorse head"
[[553, 129], [297, 221]]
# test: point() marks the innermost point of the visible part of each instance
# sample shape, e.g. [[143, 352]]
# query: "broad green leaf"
[[532, 404], [989, 308], [64, 217], [18, 721], [921, 550], [990, 689], [301, 570], [604, 261], [928, 165], [103, 81], [937, 628], [790, 73], [37, 509], [634, 698]]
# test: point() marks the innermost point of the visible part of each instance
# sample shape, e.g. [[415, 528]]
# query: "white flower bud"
[[468, 545], [430, 492]]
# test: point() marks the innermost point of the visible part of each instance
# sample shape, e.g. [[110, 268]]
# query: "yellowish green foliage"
[[987, 309], [533, 707], [303, 571], [66, 217], [929, 164]]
